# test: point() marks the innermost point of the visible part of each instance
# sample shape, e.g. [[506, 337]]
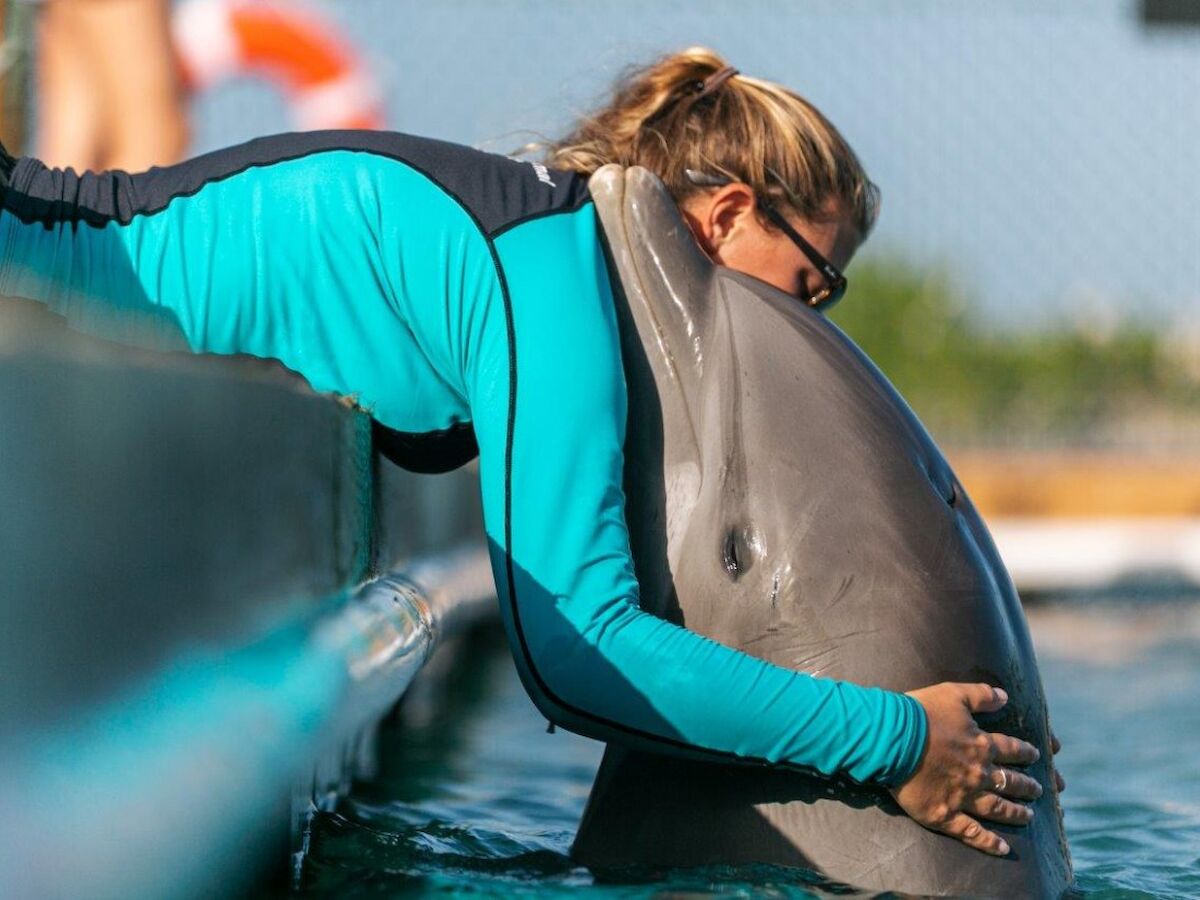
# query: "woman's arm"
[[74, 242], [271, 248], [549, 402], [549, 413], [265, 249]]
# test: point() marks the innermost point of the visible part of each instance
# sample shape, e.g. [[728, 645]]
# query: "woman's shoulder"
[[498, 191]]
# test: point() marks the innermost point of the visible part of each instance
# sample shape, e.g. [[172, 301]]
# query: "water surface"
[[474, 796]]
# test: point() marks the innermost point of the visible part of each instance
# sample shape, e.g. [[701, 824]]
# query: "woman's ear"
[[715, 216]]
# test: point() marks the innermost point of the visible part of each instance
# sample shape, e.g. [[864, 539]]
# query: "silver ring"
[[1003, 785]]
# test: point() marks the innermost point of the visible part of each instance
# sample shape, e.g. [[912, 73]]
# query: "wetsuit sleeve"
[[277, 248], [550, 407], [61, 244], [182, 257]]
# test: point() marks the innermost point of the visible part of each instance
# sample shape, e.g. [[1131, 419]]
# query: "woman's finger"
[[1055, 743], [1011, 783], [1058, 781], [984, 697], [988, 805], [1014, 751], [971, 833]]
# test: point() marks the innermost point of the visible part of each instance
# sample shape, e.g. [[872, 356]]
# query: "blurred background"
[[1032, 288], [1033, 285]]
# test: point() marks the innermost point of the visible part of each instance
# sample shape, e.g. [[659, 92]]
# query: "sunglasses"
[[835, 281]]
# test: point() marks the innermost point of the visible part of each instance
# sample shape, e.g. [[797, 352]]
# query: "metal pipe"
[[175, 788]]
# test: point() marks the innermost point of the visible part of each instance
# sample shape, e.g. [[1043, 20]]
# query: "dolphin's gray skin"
[[783, 499]]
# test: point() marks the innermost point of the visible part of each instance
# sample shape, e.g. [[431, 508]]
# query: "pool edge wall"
[[183, 539]]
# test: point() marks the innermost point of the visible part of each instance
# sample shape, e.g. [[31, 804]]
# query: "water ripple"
[[479, 800]]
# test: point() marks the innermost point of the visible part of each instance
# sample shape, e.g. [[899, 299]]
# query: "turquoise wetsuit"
[[463, 298]]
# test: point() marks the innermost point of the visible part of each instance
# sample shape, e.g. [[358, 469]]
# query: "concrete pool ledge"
[[174, 788], [195, 630]]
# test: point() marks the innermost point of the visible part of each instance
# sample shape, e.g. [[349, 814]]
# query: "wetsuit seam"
[[511, 578], [100, 220], [579, 204]]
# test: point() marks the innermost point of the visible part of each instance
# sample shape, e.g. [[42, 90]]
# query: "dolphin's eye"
[[736, 553]]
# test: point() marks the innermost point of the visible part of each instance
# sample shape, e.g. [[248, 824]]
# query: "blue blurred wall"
[[1046, 152]]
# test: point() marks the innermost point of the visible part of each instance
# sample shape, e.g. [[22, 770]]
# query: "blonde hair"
[[747, 129]]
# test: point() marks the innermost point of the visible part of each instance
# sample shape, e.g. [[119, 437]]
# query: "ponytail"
[[692, 110]]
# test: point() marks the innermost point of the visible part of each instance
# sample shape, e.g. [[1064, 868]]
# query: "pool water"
[[474, 796]]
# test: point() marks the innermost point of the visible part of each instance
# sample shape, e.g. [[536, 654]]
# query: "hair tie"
[[713, 81], [691, 92]]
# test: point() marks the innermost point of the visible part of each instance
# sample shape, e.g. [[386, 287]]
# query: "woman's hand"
[[962, 777]]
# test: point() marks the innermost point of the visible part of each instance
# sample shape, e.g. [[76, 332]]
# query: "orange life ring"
[[295, 48]]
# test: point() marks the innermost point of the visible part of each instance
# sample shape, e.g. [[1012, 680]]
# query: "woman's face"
[[726, 225]]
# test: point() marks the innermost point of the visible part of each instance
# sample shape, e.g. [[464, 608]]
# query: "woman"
[[463, 299]]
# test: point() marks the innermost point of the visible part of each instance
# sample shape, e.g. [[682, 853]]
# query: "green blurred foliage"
[[1067, 383]]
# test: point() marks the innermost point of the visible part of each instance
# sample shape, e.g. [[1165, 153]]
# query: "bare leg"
[[68, 100], [109, 86]]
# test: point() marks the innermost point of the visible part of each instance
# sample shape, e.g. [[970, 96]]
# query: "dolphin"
[[783, 499]]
